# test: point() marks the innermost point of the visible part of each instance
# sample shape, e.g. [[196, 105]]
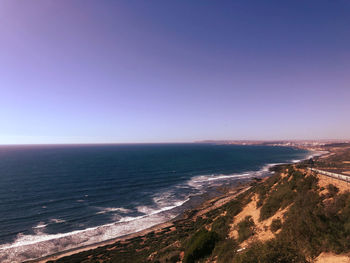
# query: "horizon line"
[[172, 142]]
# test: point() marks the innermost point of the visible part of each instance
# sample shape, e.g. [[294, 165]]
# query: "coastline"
[[205, 206], [218, 198], [167, 241]]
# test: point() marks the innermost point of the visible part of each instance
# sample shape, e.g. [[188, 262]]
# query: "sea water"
[[54, 198]]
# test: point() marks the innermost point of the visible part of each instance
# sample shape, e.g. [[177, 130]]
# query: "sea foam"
[[27, 247], [41, 244]]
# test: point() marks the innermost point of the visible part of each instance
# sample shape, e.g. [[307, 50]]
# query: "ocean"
[[55, 198]]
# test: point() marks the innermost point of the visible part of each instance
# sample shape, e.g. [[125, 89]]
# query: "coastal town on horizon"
[[279, 142]]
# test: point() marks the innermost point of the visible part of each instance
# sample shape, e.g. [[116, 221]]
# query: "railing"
[[333, 175]]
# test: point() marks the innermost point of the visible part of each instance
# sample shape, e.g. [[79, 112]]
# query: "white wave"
[[316, 154], [309, 156], [201, 181], [27, 247], [266, 168], [131, 218], [144, 209], [41, 244], [152, 211], [40, 225], [57, 221], [113, 209]]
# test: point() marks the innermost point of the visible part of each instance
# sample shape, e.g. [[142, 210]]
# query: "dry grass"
[[332, 258]]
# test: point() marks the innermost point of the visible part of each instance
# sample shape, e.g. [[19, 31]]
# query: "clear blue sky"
[[156, 71]]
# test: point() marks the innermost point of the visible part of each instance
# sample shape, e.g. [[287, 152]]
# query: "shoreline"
[[205, 204], [203, 208]]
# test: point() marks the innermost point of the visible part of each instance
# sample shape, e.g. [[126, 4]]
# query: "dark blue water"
[[48, 192]]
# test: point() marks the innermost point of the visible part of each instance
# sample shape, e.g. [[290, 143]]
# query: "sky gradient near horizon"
[[173, 71]]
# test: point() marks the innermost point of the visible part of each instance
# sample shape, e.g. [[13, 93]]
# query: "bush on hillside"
[[332, 189], [245, 228], [225, 250], [280, 197], [276, 225], [270, 251], [285, 192], [221, 226], [263, 189], [200, 245]]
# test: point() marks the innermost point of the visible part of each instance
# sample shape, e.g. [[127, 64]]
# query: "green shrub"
[[332, 189], [280, 197], [174, 258], [271, 251], [245, 228], [306, 224], [308, 183], [221, 226], [275, 225], [200, 245], [225, 250], [233, 207]]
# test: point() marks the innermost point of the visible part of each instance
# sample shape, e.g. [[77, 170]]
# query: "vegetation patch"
[[276, 225], [221, 226], [226, 250], [200, 245], [262, 189], [245, 228], [332, 190], [270, 251], [285, 192]]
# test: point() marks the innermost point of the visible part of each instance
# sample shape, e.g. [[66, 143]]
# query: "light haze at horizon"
[[161, 71]]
